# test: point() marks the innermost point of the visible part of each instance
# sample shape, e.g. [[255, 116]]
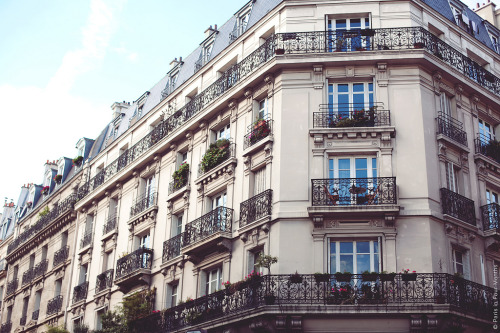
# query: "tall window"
[[259, 181], [177, 225], [57, 287], [344, 34], [354, 256], [214, 280], [262, 111], [452, 177], [486, 133], [461, 262], [253, 256], [83, 274], [344, 98], [219, 200], [38, 299], [144, 241], [149, 191], [223, 133], [491, 197], [445, 105], [172, 292]]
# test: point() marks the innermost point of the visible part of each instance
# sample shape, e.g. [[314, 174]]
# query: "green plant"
[[343, 277], [192, 317], [56, 329], [260, 130], [180, 176], [296, 278], [321, 277], [78, 160], [216, 153], [139, 304], [266, 261], [44, 212], [81, 328]]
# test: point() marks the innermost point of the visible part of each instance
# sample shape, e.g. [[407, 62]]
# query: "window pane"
[[363, 247], [374, 167], [341, 24], [333, 262], [355, 23], [346, 247], [346, 263], [358, 87], [342, 88], [363, 263], [375, 263], [375, 247]]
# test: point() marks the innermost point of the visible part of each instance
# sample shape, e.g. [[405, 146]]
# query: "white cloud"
[[132, 57]]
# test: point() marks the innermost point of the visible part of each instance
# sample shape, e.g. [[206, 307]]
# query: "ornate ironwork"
[[172, 247], [218, 220], [487, 147], [458, 206], [11, 287], [44, 221], [54, 305], [34, 315], [175, 185], [354, 191], [256, 207], [141, 258], [451, 128], [40, 268], [6, 327], [110, 224], [28, 276], [257, 131], [229, 153], [22, 321], [351, 115], [80, 292], [490, 214], [104, 281], [61, 255], [142, 203], [86, 239]]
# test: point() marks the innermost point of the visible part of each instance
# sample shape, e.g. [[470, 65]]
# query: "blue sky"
[[63, 63]]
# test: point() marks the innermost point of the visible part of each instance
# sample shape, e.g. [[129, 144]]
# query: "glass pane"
[[333, 263], [375, 263], [346, 263], [330, 168], [346, 247], [361, 168], [458, 257], [363, 247], [375, 247], [355, 23], [342, 88], [363, 263], [341, 24], [358, 87], [374, 167]]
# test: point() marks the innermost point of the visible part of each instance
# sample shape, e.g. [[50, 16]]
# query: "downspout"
[[72, 271]]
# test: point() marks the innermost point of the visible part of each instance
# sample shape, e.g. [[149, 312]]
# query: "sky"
[[64, 63]]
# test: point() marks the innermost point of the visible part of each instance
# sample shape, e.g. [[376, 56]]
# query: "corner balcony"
[[371, 295], [489, 148], [451, 129], [457, 206], [134, 268], [210, 231], [60, 256], [172, 248], [54, 305], [104, 281], [256, 209], [80, 292], [354, 196]]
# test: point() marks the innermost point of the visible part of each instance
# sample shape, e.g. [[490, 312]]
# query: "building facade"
[[351, 140]]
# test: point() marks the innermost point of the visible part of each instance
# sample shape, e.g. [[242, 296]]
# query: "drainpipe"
[[75, 242]]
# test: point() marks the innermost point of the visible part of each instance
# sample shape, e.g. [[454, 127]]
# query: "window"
[[44, 252], [452, 177], [461, 262], [60, 169], [172, 292], [32, 260], [344, 98], [144, 241], [64, 239], [98, 319], [491, 197], [223, 133], [176, 225], [354, 256], [9, 314], [259, 181], [219, 200], [149, 190], [253, 257], [38, 299], [485, 132], [345, 34], [57, 287], [183, 158], [262, 111], [445, 105], [494, 41], [83, 274], [25, 309], [214, 280], [48, 178]]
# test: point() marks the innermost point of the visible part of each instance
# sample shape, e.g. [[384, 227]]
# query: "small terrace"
[[458, 206], [134, 268]]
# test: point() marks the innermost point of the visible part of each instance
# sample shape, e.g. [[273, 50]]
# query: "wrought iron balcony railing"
[[34, 315], [487, 147], [104, 281], [351, 115], [172, 247], [80, 292], [22, 321], [256, 207], [331, 294], [177, 184], [490, 214], [354, 191], [11, 287], [225, 153], [257, 131], [458, 206], [110, 224], [40, 268], [141, 258], [218, 220], [451, 128], [54, 305], [86, 239], [60, 256], [28, 276], [142, 203], [6, 327], [44, 221]]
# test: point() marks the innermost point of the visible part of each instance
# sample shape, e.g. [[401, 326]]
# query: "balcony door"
[[218, 215], [486, 133], [346, 97], [149, 191], [354, 179], [345, 34]]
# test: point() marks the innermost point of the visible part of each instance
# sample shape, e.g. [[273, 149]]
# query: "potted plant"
[[45, 190], [254, 279], [369, 276], [29, 204], [343, 277], [193, 317], [266, 261], [296, 278], [260, 130], [58, 179], [408, 276], [78, 160], [418, 45], [280, 51], [321, 277], [367, 32], [180, 176], [216, 154], [385, 276]]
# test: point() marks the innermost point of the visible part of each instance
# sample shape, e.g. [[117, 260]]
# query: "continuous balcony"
[[80, 292], [257, 132], [54, 305], [423, 293], [11, 287], [110, 224], [451, 128], [487, 147], [344, 115], [256, 208], [60, 256], [172, 248], [142, 203], [134, 268], [104, 281], [458, 206], [207, 232]]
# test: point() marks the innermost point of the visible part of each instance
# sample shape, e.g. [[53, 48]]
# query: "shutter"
[[203, 283], [466, 265], [169, 304]]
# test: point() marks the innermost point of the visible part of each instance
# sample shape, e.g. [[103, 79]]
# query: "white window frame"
[[461, 265], [213, 275], [374, 266], [332, 23], [263, 109], [352, 166], [452, 177], [486, 132], [445, 102], [219, 200], [176, 225], [223, 133], [333, 95]]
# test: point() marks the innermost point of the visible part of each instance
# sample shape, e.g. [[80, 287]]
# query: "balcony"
[[424, 293], [22, 321], [256, 208], [487, 147], [35, 314], [11, 287], [104, 281], [60, 256], [351, 115], [28, 276], [458, 206], [172, 248], [110, 224], [218, 153], [177, 184], [257, 132], [490, 214], [54, 305], [134, 268], [6, 327], [142, 203], [40, 269], [80, 292], [451, 128], [210, 229], [86, 240]]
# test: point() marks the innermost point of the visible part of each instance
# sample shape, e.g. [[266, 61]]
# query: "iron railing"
[[35, 314], [256, 207], [22, 320], [490, 214], [11, 287], [142, 203], [6, 327], [175, 185], [54, 305], [458, 206], [451, 128], [110, 224], [354, 191], [40, 268], [351, 115], [228, 152], [257, 131], [86, 239], [60, 256], [218, 220], [44, 221], [172, 247], [28, 276], [80, 292], [104, 281], [390, 291], [487, 147], [141, 258]]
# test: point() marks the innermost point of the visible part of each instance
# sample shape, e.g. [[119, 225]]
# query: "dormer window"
[[48, 178], [206, 49], [463, 20], [80, 146], [173, 74], [241, 21]]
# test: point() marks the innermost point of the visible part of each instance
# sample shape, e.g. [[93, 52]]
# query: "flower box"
[[280, 51], [58, 179], [367, 32], [321, 277], [387, 277], [343, 277], [78, 161], [369, 277], [409, 277], [215, 155], [45, 190], [296, 278]]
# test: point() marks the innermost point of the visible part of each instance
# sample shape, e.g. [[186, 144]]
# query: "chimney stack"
[[210, 31], [119, 108]]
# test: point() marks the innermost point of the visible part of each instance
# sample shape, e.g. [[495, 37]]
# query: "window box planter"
[[269, 299], [418, 45], [370, 277], [45, 190], [409, 277], [296, 278], [217, 153], [180, 176], [58, 179], [343, 277], [279, 51], [260, 131], [387, 277], [78, 161], [321, 277], [368, 32]]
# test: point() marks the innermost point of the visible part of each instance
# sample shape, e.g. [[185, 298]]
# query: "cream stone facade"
[[345, 137]]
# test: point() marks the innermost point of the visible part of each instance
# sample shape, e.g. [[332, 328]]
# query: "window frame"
[[374, 266], [208, 281], [333, 93]]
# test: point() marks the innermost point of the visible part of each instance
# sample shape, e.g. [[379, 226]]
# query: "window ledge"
[[353, 132], [226, 167], [442, 137], [258, 145]]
